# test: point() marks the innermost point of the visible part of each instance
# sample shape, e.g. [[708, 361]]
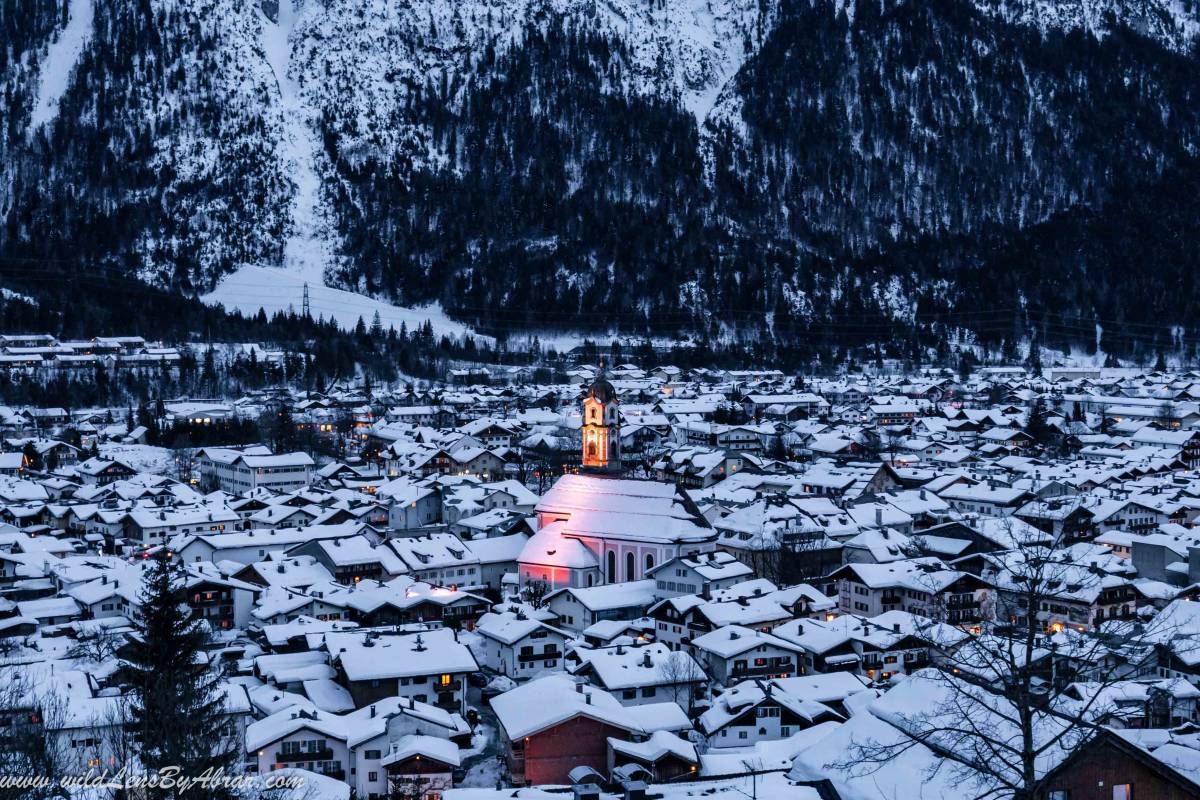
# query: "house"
[[923, 586], [247, 547], [985, 498], [732, 654], [878, 648], [554, 725], [242, 470], [517, 646], [429, 667], [410, 505], [1127, 764], [664, 756], [102, 471], [224, 602], [700, 574], [1064, 518], [769, 710], [646, 673], [579, 608], [351, 559], [438, 558]]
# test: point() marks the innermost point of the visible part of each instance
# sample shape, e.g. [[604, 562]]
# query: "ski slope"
[[61, 58], [309, 247], [273, 289]]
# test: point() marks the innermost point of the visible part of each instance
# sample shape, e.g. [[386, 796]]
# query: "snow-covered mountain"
[[586, 163]]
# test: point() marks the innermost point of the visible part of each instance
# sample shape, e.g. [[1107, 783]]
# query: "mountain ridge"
[[705, 158]]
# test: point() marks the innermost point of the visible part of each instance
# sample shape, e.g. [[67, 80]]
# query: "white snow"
[[61, 58], [309, 246], [141, 457], [279, 289]]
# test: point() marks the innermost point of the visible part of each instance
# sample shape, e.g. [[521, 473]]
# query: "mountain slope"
[[768, 166]]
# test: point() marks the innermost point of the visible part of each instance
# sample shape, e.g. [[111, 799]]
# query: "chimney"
[[896, 627], [922, 493], [646, 660], [372, 711], [587, 698], [579, 688], [878, 517], [412, 702]]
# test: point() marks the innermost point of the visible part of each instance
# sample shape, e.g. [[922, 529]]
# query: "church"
[[596, 527]]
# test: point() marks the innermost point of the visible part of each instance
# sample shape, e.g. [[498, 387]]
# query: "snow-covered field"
[[276, 289], [61, 58]]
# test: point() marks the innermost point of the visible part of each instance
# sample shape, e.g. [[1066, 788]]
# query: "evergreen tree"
[[177, 705], [31, 457], [1034, 362], [1036, 426]]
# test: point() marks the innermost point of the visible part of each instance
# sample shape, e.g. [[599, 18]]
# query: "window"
[[612, 566], [372, 755], [649, 562], [444, 680], [629, 566], [372, 776], [1122, 791], [1057, 794], [629, 694]]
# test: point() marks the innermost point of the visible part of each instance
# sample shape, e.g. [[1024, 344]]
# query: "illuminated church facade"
[[595, 528], [601, 428]]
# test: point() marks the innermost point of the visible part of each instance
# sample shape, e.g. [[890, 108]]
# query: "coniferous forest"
[[898, 175]]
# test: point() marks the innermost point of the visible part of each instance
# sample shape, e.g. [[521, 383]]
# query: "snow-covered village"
[[638, 582], [600, 400]]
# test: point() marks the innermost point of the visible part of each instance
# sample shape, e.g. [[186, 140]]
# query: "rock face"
[[862, 168]]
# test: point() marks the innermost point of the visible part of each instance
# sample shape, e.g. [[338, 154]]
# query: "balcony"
[[758, 672], [310, 755], [337, 775], [890, 600]]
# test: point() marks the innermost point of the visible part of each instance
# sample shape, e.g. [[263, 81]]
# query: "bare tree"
[[31, 717], [995, 708], [186, 464], [680, 672], [417, 786], [534, 593], [1166, 415], [97, 646]]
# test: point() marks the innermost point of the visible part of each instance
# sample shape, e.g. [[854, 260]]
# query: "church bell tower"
[[601, 427]]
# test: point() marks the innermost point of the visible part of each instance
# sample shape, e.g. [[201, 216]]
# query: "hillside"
[[750, 167]]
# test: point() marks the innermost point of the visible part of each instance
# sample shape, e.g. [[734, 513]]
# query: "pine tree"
[[1037, 427], [177, 706], [31, 457]]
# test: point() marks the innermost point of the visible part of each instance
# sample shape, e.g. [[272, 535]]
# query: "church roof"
[[602, 390]]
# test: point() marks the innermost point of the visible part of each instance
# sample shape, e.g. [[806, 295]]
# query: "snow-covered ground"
[[279, 289], [61, 58], [309, 248], [141, 457]]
